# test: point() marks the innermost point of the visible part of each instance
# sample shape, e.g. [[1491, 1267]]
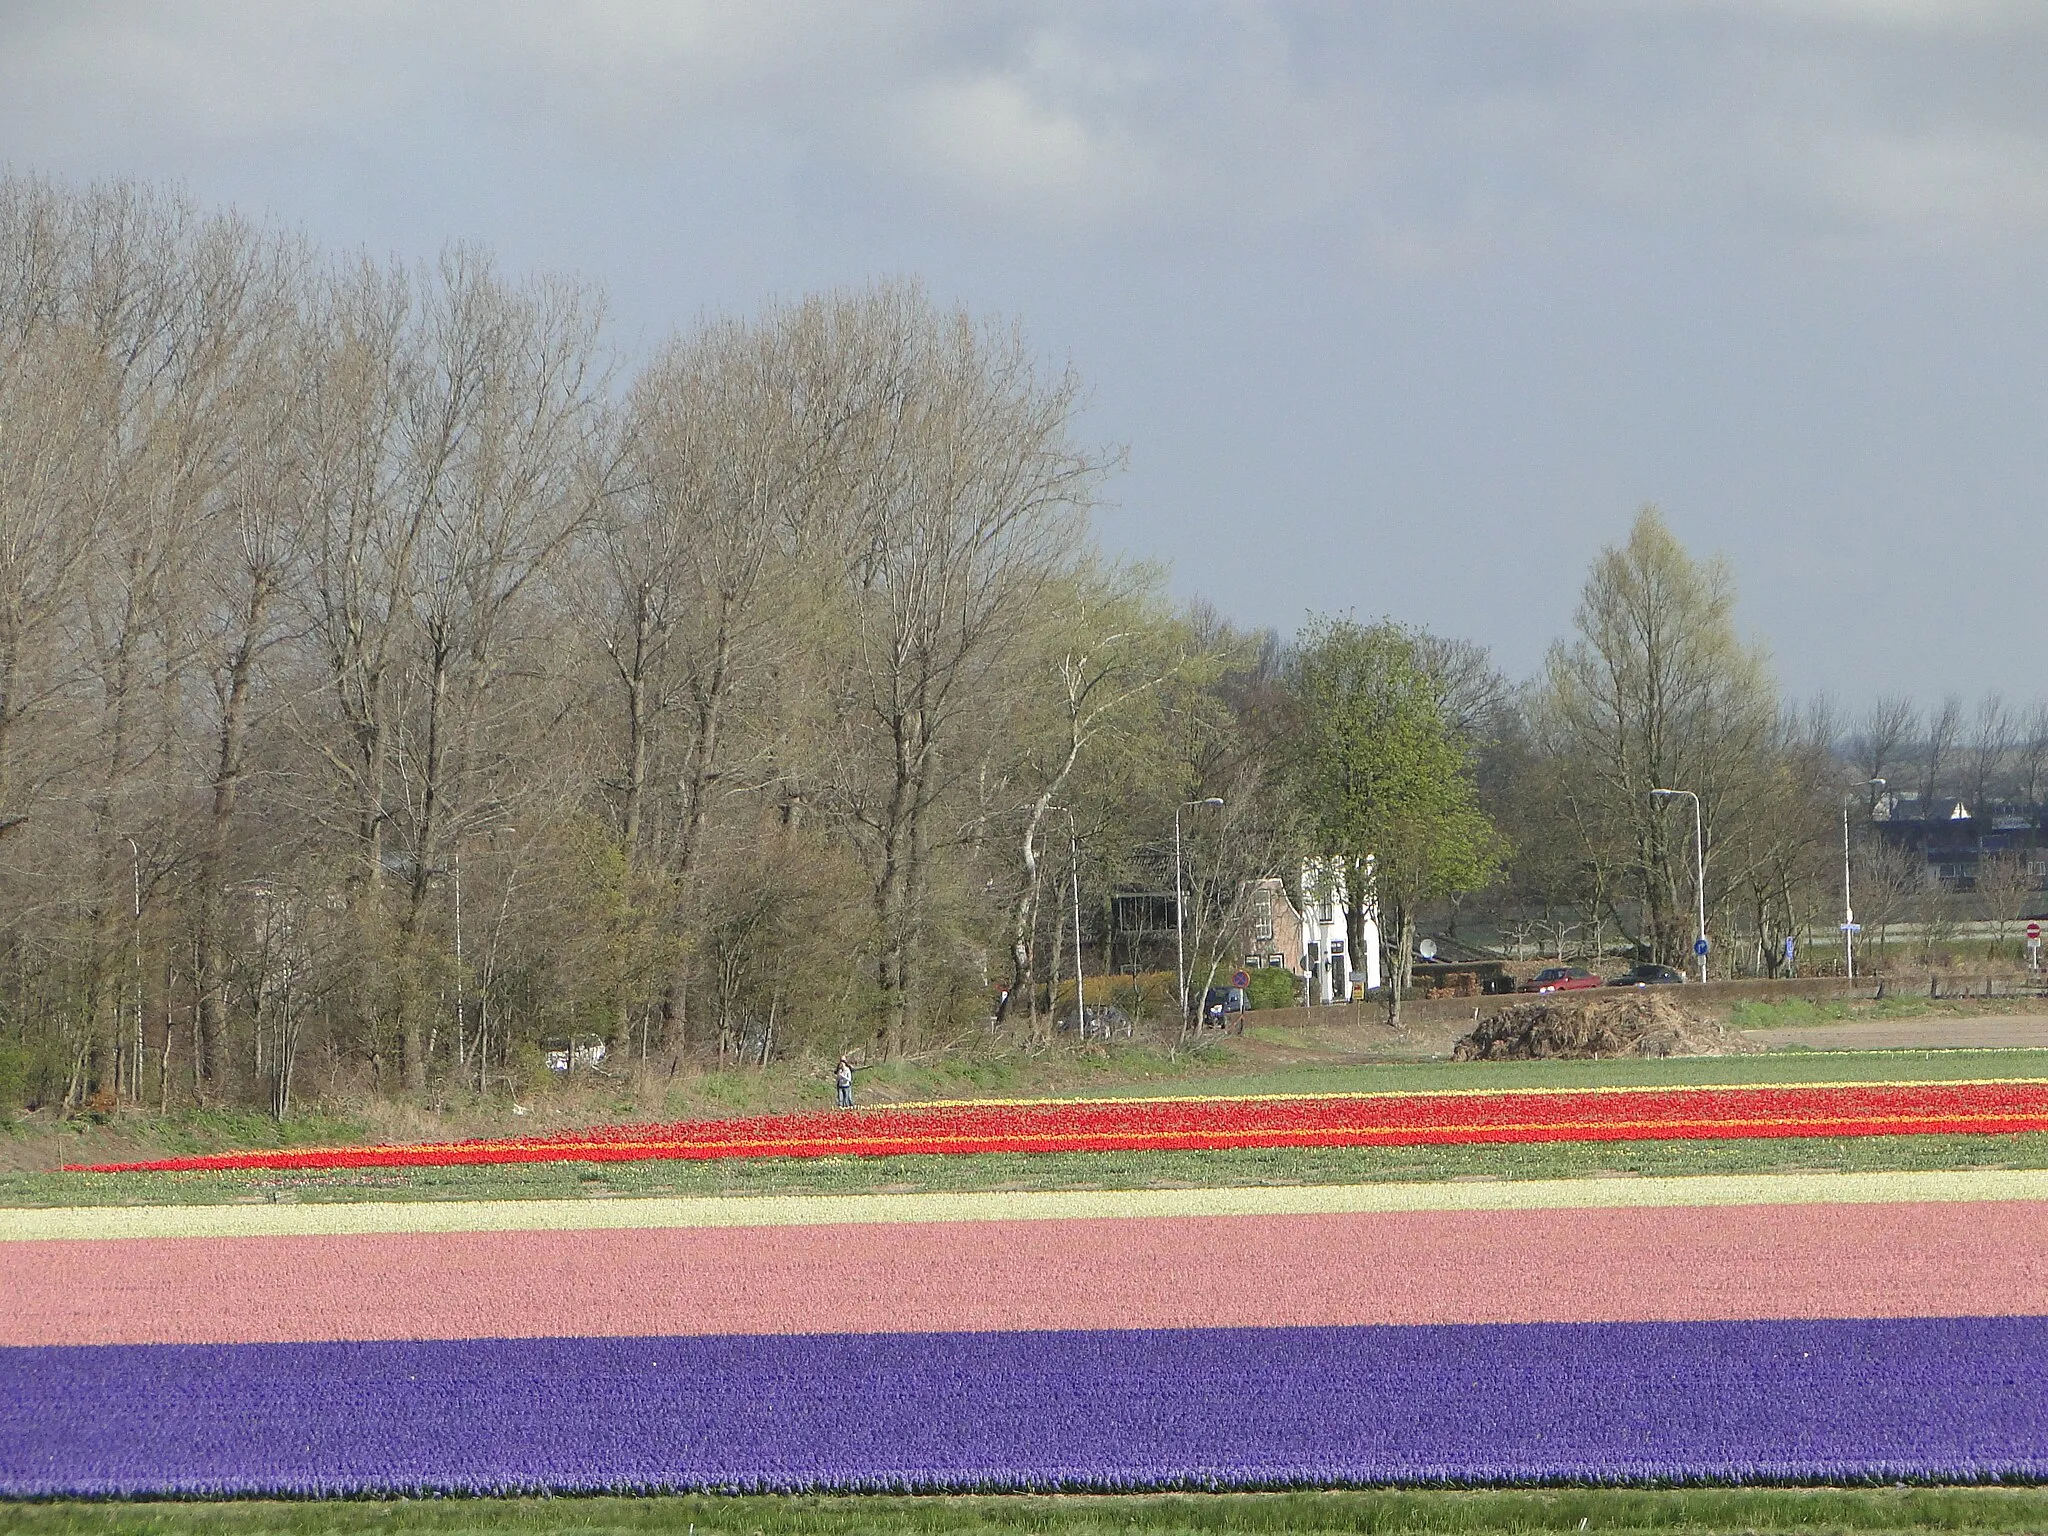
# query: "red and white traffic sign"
[[2034, 931]]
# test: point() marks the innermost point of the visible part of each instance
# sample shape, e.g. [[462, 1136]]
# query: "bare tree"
[[249, 551], [499, 433], [1990, 747], [1890, 881], [1471, 692], [1883, 738], [1657, 692], [736, 443], [1937, 752], [1116, 659], [362, 546], [971, 500], [445, 448], [2030, 756], [51, 511], [2006, 887]]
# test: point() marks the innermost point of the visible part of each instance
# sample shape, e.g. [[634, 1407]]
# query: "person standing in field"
[[844, 1079]]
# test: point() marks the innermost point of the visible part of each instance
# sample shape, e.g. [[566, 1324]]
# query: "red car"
[[1562, 978]]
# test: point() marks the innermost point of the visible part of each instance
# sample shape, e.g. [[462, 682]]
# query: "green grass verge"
[[1758, 1013], [1036, 1170], [1792, 1065], [1695, 1512], [186, 1132]]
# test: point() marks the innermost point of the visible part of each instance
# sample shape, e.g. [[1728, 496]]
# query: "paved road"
[[1993, 1033]]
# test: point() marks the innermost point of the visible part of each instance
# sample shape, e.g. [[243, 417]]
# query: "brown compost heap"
[[1633, 1023]]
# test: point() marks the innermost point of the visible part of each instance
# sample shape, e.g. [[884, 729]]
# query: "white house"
[[1331, 968], [1311, 941]]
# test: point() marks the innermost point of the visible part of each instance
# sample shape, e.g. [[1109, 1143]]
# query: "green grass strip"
[[1778, 1065], [1613, 1512]]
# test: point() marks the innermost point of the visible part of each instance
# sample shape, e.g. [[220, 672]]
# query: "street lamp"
[[1180, 943], [1699, 848], [1849, 912], [1074, 874]]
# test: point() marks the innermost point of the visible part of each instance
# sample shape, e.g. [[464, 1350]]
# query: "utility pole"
[[1074, 875], [1180, 943], [1699, 845], [1849, 911]]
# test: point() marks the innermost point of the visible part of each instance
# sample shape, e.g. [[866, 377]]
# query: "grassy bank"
[[1777, 1066], [135, 1135], [1694, 1512], [1778, 1013], [1265, 1060]]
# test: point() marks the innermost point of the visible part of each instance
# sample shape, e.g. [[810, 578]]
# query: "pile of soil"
[[1633, 1023]]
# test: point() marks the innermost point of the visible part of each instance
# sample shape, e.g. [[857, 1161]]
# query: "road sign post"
[[2033, 946]]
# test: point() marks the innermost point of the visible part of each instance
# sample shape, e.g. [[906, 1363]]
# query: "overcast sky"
[[1399, 309]]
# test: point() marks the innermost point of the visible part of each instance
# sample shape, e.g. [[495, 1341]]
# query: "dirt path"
[[1953, 1034]]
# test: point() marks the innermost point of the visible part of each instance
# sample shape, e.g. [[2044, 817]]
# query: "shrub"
[[1273, 987]]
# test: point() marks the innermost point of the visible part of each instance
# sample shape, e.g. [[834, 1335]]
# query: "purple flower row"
[[1947, 1399]]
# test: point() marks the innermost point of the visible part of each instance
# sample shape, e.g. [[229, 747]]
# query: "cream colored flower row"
[[107, 1222], [1536, 1091]]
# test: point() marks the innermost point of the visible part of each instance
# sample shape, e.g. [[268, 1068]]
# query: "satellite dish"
[[1427, 949]]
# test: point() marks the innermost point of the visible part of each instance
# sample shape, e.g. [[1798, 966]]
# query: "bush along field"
[[1803, 1283]]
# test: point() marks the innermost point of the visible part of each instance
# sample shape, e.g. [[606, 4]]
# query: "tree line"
[[391, 679], [396, 680]]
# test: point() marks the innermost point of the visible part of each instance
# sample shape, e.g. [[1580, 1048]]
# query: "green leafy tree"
[[1386, 781], [1657, 691]]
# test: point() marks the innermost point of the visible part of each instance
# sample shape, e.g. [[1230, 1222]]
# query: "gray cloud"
[[1376, 294], [1426, 126]]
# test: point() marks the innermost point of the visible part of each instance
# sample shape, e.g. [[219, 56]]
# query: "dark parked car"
[[1221, 1002], [1562, 978], [1650, 976]]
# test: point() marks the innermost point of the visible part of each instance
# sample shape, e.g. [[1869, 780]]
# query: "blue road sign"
[[1699, 946]]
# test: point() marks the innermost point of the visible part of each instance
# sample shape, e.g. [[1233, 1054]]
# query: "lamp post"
[[1699, 848], [1074, 875], [1180, 943], [1848, 911]]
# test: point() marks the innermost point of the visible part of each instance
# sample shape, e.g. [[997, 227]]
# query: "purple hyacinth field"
[[1594, 1332], [1953, 1400]]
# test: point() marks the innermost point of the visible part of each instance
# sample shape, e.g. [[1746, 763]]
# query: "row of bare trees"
[[395, 682], [1995, 753], [392, 681]]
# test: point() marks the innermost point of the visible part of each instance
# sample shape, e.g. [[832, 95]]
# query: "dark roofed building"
[[1954, 838]]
